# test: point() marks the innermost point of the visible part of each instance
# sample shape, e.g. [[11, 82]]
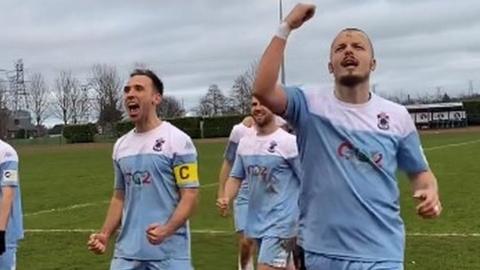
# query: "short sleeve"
[[185, 165], [238, 171], [9, 168], [410, 155], [232, 144], [119, 180], [296, 112]]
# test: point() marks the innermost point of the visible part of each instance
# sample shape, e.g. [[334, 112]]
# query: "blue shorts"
[[240, 216], [168, 264], [275, 252], [315, 261], [8, 260]]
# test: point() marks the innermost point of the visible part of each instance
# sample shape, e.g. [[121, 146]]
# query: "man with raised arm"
[[351, 143]]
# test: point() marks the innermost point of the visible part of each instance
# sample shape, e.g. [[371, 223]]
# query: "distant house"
[[20, 125]]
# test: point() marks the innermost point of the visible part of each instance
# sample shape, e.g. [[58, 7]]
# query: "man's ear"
[[373, 64], [157, 99], [330, 67]]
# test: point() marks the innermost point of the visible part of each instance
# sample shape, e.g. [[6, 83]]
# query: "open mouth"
[[258, 114], [133, 108], [349, 62]]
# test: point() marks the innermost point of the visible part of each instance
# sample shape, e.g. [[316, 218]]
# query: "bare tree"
[[107, 85], [4, 111], [214, 103], [65, 88], [140, 65], [38, 97], [170, 108], [80, 104], [241, 94]]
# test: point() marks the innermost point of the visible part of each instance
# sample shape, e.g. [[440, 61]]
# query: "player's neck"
[[266, 129], [357, 94], [147, 124]]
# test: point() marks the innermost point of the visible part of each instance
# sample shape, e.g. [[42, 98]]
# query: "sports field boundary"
[[84, 205], [225, 232], [450, 145]]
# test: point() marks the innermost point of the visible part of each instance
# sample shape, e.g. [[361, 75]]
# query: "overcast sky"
[[419, 45]]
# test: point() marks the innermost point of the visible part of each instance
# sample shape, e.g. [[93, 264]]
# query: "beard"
[[352, 80], [263, 121]]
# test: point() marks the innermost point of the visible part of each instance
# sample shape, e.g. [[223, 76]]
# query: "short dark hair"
[[354, 29], [157, 83]]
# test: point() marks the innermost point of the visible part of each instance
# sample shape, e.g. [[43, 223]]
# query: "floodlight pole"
[[282, 68]]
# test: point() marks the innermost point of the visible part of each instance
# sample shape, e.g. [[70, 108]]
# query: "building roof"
[[435, 105]]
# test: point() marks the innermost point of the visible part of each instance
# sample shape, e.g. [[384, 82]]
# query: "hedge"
[[220, 126], [192, 126], [123, 127], [79, 133], [472, 109], [189, 125]]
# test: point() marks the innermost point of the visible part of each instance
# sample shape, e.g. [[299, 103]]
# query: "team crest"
[[272, 146], [158, 145], [383, 121]]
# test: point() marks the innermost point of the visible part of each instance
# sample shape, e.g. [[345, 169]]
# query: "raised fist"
[[300, 14]]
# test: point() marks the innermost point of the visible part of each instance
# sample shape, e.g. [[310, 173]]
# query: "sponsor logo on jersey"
[[262, 173], [348, 151], [138, 178]]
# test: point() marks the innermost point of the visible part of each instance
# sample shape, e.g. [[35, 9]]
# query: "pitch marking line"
[[92, 230], [222, 232], [84, 205], [445, 234], [450, 145], [75, 206]]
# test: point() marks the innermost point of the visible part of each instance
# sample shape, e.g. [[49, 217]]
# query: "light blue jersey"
[[349, 201], [270, 165], [9, 178], [150, 167], [238, 132]]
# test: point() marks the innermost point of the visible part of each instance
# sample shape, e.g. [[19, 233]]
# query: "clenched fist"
[[300, 14], [97, 243]]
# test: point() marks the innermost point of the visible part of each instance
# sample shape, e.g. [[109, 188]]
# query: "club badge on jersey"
[[383, 121], [272, 146], [158, 145]]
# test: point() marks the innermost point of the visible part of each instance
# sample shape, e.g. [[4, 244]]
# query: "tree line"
[[99, 98]]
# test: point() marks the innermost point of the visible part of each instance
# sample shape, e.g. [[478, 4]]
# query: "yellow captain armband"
[[186, 174]]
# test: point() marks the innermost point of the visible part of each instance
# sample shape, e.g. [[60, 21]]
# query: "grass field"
[[65, 190]]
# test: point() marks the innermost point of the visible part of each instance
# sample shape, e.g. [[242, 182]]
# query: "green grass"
[[60, 176]]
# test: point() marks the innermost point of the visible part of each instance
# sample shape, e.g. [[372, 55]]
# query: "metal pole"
[[282, 68]]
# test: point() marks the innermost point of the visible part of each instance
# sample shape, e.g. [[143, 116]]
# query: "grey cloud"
[[192, 44]]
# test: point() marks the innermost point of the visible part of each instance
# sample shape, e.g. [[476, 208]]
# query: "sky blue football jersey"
[[349, 202], [270, 164], [150, 168], [10, 178]]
